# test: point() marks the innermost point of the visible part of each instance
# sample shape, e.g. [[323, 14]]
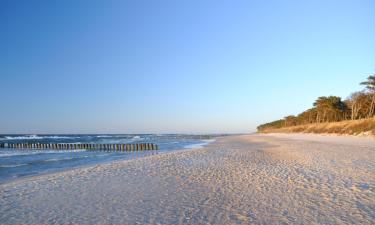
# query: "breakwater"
[[87, 146]]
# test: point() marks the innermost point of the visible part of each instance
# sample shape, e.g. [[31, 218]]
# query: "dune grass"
[[349, 127]]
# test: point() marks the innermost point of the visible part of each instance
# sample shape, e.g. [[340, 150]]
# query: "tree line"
[[359, 105]]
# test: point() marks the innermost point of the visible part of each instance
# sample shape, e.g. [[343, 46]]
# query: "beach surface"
[[248, 179]]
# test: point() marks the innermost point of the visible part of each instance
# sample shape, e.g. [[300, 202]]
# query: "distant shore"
[[247, 179]]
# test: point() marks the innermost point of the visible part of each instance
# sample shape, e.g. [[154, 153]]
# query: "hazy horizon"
[[119, 67]]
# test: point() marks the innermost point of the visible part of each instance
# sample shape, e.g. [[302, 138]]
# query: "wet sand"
[[250, 179]]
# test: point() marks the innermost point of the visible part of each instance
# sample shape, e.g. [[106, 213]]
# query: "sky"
[[196, 66]]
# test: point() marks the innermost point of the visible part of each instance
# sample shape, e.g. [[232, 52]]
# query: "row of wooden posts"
[[99, 147]]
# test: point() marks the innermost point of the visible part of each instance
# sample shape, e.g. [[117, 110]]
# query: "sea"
[[18, 163]]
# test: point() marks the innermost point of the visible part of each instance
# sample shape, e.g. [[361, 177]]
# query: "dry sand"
[[252, 179]]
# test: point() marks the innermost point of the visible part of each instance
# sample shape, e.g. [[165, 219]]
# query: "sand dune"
[[252, 179]]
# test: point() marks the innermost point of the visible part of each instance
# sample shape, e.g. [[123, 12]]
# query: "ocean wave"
[[7, 154], [36, 152], [64, 158], [199, 145], [36, 137], [58, 159], [26, 137], [13, 165]]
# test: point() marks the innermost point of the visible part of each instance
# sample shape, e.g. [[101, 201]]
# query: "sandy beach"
[[249, 179]]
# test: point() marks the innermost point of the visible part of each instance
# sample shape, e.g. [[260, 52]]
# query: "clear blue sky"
[[176, 66]]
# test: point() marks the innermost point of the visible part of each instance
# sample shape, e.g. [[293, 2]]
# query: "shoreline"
[[93, 165], [246, 179]]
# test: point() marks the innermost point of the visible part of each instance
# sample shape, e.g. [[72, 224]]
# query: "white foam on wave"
[[27, 137], [35, 152], [58, 159], [64, 158], [36, 137], [200, 145], [13, 165]]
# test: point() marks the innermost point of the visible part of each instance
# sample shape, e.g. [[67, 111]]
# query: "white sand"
[[254, 179]]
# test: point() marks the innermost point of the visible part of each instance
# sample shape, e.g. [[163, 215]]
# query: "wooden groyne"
[[98, 147]]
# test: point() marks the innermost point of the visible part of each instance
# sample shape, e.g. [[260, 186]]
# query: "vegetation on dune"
[[329, 109]]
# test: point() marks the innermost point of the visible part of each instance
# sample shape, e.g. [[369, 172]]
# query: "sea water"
[[17, 163]]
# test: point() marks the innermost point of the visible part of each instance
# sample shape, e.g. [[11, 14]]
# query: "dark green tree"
[[370, 86]]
